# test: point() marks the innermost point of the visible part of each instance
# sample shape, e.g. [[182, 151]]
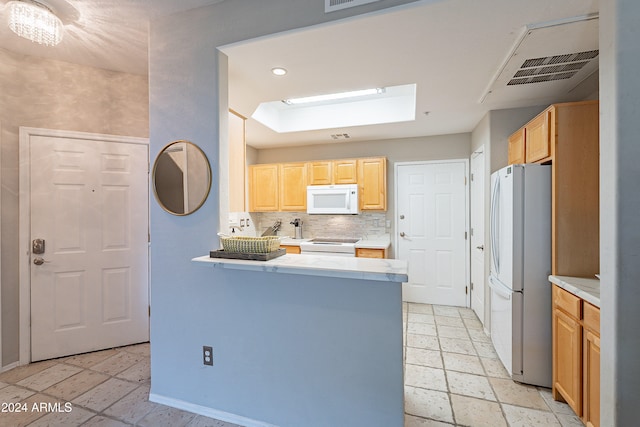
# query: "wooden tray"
[[248, 256]]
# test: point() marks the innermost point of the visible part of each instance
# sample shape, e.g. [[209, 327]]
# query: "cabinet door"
[[293, 187], [372, 183], [320, 173], [591, 366], [345, 171], [263, 188], [538, 134], [516, 147], [567, 360]]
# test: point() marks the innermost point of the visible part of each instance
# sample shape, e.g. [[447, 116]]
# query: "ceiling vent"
[[337, 136], [557, 67], [333, 5], [547, 62]]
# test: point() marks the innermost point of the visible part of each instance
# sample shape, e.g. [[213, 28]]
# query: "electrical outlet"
[[207, 355]]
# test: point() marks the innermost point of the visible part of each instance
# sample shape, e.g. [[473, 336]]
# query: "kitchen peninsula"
[[304, 340]]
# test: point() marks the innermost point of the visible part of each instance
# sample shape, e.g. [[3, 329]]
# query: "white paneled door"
[[477, 193], [431, 223], [89, 205]]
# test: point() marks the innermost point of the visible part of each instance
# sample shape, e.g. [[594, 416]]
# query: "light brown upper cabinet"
[[345, 171], [237, 156], [283, 186], [516, 147], [372, 183], [567, 136], [328, 172], [320, 172], [264, 188], [538, 137], [293, 187]]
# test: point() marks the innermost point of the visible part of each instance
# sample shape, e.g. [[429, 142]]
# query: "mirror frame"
[[209, 172]]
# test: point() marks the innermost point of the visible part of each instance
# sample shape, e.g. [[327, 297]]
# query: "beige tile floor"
[[452, 377]]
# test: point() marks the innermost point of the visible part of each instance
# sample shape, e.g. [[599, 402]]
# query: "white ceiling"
[[453, 50]]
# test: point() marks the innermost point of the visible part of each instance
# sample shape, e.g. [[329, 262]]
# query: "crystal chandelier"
[[35, 21]]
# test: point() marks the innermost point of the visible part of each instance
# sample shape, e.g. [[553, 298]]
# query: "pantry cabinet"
[[264, 193], [567, 136], [576, 355], [372, 183]]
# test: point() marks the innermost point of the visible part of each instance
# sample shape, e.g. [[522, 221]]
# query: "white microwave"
[[332, 199]]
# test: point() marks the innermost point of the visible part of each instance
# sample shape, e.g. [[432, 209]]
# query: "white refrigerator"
[[520, 230]]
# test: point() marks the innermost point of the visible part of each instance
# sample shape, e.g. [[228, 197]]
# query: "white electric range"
[[329, 246]]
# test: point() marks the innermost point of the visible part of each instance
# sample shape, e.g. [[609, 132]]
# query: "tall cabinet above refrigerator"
[[520, 230]]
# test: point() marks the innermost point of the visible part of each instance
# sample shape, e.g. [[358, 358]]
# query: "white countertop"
[[587, 289], [382, 242], [385, 270]]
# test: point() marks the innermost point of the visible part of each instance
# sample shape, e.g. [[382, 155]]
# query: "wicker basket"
[[259, 245]]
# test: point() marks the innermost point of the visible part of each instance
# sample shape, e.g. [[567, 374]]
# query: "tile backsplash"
[[363, 225]]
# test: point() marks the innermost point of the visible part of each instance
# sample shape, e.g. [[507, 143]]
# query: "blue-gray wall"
[[187, 94], [619, 211]]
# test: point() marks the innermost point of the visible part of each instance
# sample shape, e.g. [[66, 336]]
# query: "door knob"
[[481, 247], [402, 234], [39, 261]]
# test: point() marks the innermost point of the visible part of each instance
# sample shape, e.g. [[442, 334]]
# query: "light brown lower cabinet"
[[576, 355], [370, 253], [291, 249]]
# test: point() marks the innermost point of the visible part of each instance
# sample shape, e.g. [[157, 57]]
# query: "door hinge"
[[471, 285], [465, 235], [466, 290], [465, 180], [471, 177], [471, 231], [149, 311]]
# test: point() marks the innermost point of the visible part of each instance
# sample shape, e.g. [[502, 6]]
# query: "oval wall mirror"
[[181, 178]]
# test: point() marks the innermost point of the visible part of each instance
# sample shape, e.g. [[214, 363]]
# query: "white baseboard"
[[9, 366], [207, 412]]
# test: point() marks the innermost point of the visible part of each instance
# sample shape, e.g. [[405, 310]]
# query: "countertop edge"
[[278, 266], [587, 289]]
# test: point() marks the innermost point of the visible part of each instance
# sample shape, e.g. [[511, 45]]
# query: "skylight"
[[357, 108]]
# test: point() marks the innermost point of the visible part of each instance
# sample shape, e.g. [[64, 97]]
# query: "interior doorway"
[[431, 222], [84, 282]]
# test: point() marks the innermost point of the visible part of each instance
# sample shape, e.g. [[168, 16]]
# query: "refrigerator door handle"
[[494, 225], [499, 289]]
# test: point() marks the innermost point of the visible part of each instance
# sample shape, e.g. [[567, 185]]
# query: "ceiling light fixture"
[[35, 21], [334, 96], [279, 71]]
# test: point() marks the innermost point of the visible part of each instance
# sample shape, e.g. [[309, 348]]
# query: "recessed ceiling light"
[[334, 96], [279, 71]]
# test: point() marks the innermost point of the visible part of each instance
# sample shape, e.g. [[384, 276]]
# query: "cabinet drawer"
[[592, 317], [291, 249], [566, 301], [370, 253]]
